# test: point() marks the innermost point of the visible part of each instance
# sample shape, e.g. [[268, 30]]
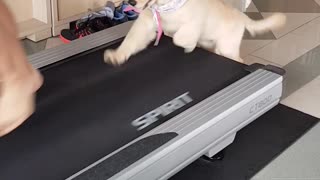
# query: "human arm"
[[18, 79]]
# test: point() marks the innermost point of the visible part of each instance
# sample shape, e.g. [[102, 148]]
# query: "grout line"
[[251, 53], [271, 41], [300, 25], [278, 38], [265, 60], [316, 2], [289, 62]]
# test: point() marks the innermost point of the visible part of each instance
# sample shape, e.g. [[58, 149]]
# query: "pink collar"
[[157, 19]]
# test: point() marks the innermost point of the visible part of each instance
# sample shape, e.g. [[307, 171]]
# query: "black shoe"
[[85, 28], [99, 24], [68, 35]]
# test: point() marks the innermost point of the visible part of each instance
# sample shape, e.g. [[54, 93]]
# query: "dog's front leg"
[[187, 37], [138, 38]]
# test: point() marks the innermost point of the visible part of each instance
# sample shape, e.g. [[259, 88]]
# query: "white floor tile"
[[287, 48], [317, 1], [252, 59], [301, 161], [310, 30], [306, 99], [249, 46], [294, 20], [315, 21]]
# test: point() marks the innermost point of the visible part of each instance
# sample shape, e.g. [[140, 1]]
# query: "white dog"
[[209, 24]]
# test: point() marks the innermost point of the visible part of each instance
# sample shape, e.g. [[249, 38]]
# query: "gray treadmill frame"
[[204, 129]]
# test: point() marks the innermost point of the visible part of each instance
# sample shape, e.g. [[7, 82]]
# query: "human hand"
[[18, 81]]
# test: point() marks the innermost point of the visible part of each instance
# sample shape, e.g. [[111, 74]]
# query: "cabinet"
[[33, 18], [41, 19], [66, 11]]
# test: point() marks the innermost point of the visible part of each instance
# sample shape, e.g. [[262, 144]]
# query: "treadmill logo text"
[[164, 110], [261, 104]]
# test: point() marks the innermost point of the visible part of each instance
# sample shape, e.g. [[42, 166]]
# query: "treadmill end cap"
[[253, 67]]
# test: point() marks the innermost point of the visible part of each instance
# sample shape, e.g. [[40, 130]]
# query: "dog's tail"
[[275, 21]]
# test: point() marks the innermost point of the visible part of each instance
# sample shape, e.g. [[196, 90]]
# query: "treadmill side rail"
[[59, 53], [206, 127]]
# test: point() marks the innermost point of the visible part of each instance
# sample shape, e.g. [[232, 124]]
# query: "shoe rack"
[[66, 11], [41, 19], [33, 18]]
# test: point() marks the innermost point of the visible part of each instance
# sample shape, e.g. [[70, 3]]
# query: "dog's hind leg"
[[138, 38], [187, 37], [229, 45]]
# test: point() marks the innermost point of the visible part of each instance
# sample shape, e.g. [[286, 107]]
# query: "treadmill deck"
[[86, 108]]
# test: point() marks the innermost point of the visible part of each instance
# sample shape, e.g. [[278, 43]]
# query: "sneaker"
[[68, 35], [84, 29], [99, 24], [106, 12]]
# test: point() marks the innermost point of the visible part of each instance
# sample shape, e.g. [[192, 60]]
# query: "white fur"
[[209, 24]]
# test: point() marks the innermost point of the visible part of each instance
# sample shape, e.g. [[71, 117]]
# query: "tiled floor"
[[296, 48], [32, 47]]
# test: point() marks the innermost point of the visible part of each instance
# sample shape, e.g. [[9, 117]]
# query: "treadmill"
[[147, 119]]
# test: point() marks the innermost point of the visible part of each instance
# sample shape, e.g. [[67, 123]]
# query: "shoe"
[[84, 29], [129, 11], [99, 24], [119, 17], [68, 35], [107, 11]]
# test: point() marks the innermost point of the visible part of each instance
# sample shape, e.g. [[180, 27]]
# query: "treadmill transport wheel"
[[218, 157]]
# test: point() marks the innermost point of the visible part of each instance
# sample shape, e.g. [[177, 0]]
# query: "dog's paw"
[[189, 50], [114, 57], [188, 46]]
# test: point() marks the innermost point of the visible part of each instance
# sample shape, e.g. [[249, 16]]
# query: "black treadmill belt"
[[255, 146], [85, 107]]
